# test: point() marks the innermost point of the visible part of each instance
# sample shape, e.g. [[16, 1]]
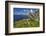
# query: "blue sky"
[[24, 11]]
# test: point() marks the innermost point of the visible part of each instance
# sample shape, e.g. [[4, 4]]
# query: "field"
[[25, 23]]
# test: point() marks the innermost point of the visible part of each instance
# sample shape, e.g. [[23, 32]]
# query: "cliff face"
[[34, 15]]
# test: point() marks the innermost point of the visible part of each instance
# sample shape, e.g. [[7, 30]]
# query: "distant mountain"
[[30, 15]]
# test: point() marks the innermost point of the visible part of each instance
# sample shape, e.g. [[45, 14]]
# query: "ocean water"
[[20, 17]]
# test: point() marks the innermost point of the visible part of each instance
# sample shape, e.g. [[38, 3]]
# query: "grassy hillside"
[[25, 23]]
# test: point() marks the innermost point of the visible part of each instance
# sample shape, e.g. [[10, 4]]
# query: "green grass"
[[24, 23]]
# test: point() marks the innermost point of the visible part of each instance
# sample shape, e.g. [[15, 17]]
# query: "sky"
[[24, 11]]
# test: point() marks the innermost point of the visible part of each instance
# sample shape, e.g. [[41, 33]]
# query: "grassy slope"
[[23, 23]]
